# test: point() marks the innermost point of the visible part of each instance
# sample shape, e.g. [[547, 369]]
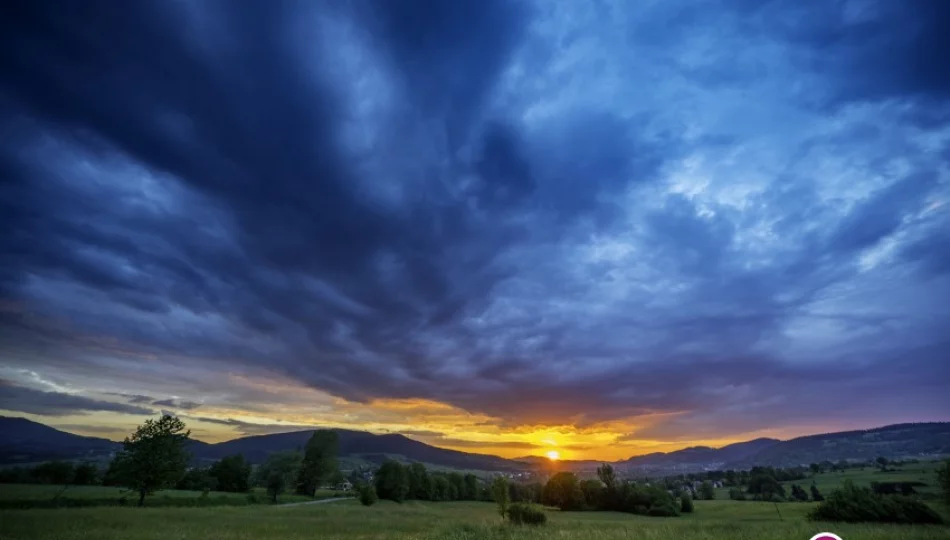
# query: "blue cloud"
[[559, 211]]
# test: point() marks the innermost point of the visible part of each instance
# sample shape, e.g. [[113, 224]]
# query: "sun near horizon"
[[553, 455]]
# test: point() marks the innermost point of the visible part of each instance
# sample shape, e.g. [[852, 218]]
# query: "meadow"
[[42, 495], [424, 521], [415, 520], [925, 472]]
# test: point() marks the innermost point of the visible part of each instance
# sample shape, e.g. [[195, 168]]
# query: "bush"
[[943, 479], [736, 494], [686, 504], [368, 495], [856, 504], [665, 510], [526, 514]]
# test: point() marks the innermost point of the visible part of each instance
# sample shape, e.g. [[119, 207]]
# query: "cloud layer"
[[732, 216]]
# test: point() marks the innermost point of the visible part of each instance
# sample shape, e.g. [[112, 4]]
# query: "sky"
[[605, 228]]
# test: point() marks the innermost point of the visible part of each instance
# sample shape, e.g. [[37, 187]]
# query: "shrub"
[[368, 495], [686, 504], [856, 504], [665, 510], [736, 494], [943, 479], [526, 514], [501, 495]]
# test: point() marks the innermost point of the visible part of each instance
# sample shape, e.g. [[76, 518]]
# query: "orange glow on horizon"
[[553, 455]]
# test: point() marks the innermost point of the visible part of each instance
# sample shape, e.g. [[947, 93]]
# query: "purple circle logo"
[[826, 536]]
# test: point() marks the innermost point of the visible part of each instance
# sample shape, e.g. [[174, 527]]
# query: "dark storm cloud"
[[250, 428], [135, 398], [873, 50], [416, 200], [177, 404], [28, 400]]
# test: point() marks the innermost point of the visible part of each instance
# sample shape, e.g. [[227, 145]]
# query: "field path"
[[321, 501]]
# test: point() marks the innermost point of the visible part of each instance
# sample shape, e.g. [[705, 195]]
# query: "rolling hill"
[[896, 441], [360, 444], [700, 456], [24, 441]]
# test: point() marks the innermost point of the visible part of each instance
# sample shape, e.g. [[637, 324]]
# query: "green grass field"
[[27, 494], [924, 471], [424, 521], [915, 472]]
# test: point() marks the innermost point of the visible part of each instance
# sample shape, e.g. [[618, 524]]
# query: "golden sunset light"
[[554, 455]]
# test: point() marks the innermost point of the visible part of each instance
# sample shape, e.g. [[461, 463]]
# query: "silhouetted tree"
[[471, 487], [499, 488], [420, 487], [392, 482], [593, 491], [86, 474], [456, 486], [707, 491], [232, 474], [440, 487], [54, 472], [153, 457], [319, 461], [815, 494], [564, 492], [279, 472]]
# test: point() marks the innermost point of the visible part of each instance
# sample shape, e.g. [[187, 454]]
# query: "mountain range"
[[25, 441]]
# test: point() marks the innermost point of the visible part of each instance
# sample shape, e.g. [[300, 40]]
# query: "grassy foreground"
[[39, 495], [430, 521]]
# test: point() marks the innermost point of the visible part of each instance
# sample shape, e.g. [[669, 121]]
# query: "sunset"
[[583, 255], [557, 252]]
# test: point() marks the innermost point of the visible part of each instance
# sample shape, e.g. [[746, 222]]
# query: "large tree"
[[392, 481], [610, 498], [420, 487], [457, 486], [500, 494], [563, 491], [277, 473], [707, 490], [153, 457], [232, 473], [471, 487], [319, 461], [86, 474]]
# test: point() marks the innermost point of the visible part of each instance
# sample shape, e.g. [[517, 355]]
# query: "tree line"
[[397, 482], [155, 457]]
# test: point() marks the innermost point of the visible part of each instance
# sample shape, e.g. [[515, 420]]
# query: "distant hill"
[[896, 441], [367, 446], [24, 441], [700, 456]]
